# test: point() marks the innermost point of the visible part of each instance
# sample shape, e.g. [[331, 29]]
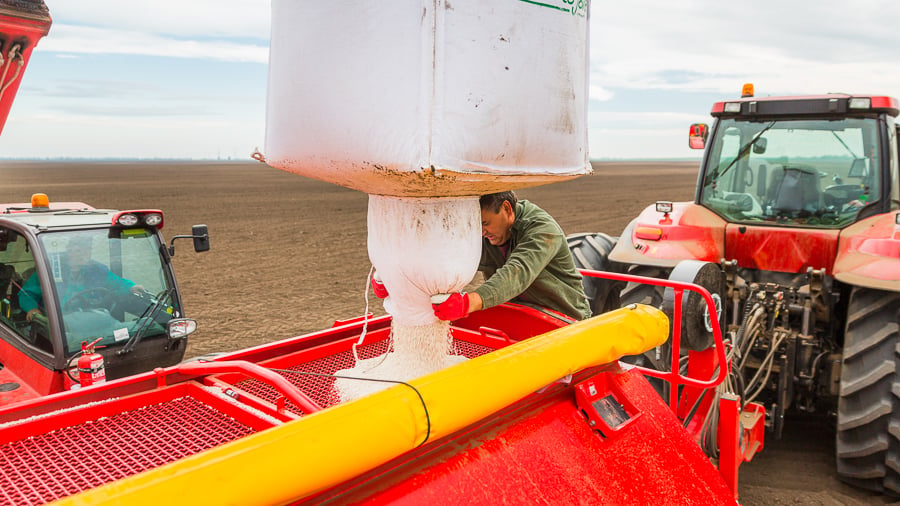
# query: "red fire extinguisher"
[[90, 365]]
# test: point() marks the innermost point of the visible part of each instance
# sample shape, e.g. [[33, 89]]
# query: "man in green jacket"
[[525, 259]]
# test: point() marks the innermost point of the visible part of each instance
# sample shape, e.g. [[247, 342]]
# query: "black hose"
[[69, 367], [414, 389], [696, 406], [740, 332]]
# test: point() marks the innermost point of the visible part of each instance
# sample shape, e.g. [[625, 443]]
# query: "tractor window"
[[17, 275], [803, 172], [109, 284], [894, 190]]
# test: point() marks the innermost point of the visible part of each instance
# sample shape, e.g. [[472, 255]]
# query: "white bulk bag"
[[428, 97]]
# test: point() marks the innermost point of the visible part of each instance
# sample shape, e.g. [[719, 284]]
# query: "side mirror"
[[201, 238], [180, 328], [200, 235], [759, 147], [857, 168], [697, 136]]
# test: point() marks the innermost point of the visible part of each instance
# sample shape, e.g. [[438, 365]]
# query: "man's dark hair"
[[493, 201]]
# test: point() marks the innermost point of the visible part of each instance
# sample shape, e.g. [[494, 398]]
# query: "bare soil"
[[289, 257]]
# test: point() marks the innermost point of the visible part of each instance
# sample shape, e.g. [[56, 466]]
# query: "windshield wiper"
[[838, 137], [745, 148], [81, 211], [147, 318]]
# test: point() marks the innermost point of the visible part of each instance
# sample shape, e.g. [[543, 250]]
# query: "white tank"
[[426, 98]]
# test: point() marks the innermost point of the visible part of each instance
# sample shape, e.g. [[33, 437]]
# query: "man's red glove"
[[378, 287], [456, 306]]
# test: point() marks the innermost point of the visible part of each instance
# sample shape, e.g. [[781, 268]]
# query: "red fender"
[[664, 239], [868, 253]]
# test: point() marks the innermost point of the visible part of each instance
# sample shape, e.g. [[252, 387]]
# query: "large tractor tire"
[[696, 332], [640, 293], [591, 251], [650, 295], [868, 419]]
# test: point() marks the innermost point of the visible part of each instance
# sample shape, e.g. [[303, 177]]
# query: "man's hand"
[[456, 306], [30, 314], [378, 287]]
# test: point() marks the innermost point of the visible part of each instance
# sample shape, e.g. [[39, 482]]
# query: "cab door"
[[27, 350]]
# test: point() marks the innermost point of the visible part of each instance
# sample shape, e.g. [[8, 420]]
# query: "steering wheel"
[[91, 298]]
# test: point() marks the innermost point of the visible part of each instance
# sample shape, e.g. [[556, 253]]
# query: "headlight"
[[153, 219], [127, 220], [860, 103]]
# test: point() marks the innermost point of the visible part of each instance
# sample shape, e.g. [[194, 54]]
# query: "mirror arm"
[[172, 242]]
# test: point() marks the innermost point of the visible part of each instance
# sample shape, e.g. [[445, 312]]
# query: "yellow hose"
[[323, 449]]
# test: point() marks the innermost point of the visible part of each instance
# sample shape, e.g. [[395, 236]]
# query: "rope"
[[14, 54], [365, 328], [362, 335]]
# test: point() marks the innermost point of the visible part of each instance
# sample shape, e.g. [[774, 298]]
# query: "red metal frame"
[[277, 381], [740, 436], [674, 378], [740, 433], [539, 419], [25, 30], [517, 453]]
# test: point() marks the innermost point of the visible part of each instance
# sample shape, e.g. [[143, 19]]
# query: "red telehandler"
[[50, 325]]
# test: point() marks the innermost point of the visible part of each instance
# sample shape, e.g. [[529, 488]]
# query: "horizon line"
[[249, 159]]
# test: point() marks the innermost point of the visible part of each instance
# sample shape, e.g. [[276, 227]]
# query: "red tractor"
[[795, 231]]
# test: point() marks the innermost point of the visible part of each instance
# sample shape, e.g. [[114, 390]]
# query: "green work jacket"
[[538, 268]]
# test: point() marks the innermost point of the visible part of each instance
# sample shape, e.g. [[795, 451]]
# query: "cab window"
[[17, 274]]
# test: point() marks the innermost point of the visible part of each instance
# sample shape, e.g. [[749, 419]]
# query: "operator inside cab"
[[86, 289]]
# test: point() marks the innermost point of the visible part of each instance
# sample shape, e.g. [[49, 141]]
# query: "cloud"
[[196, 19], [119, 68], [74, 39], [797, 46], [600, 94]]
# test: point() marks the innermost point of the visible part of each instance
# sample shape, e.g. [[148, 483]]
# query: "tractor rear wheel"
[[650, 295], [640, 293], [868, 420], [591, 252]]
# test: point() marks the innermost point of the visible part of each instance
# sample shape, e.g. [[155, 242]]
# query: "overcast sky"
[[187, 79]]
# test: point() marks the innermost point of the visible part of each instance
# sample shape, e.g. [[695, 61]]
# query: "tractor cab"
[[819, 161], [71, 274]]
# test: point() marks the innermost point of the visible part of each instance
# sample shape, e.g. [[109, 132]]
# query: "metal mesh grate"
[[51, 466], [321, 389]]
